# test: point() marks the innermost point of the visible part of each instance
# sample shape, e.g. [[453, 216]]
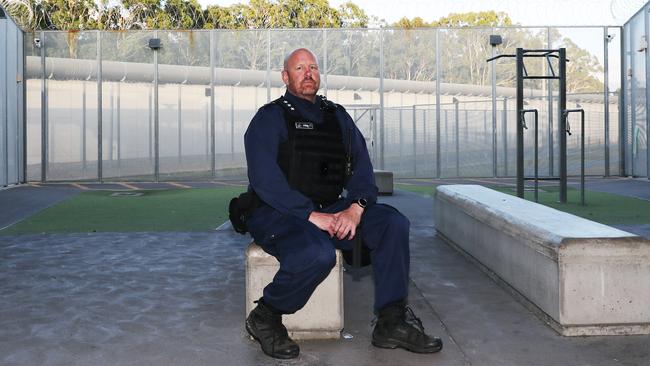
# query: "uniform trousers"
[[307, 254]]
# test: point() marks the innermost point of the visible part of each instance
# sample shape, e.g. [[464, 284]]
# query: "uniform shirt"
[[262, 140]]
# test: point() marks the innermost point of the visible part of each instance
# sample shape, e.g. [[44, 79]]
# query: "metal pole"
[[647, 97], [324, 71], [504, 122], [582, 157], [415, 170], [425, 137], [179, 118], [44, 114], [446, 131], [493, 66], [520, 125], [212, 106], [562, 129], [373, 124], [438, 157], [551, 143], [381, 99], [119, 132], [206, 131], [150, 126], [156, 122], [466, 132], [536, 159], [268, 65], [111, 119], [100, 157], [606, 80], [457, 122], [83, 130], [622, 100], [232, 122], [401, 138], [23, 119]]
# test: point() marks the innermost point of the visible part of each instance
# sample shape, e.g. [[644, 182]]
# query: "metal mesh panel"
[[128, 107], [246, 75]]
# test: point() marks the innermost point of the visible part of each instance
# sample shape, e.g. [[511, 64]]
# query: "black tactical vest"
[[313, 157]]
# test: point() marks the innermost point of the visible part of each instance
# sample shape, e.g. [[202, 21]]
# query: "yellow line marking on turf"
[[77, 185], [127, 185], [229, 184], [178, 185]]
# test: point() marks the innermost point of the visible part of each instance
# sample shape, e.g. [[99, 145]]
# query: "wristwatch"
[[361, 202]]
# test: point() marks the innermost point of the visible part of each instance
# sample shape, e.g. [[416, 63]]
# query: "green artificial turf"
[[155, 210], [428, 191], [605, 208]]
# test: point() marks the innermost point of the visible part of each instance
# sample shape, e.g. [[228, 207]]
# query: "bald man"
[[302, 152]]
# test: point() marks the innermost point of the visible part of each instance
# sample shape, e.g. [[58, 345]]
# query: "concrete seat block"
[[582, 277], [322, 316], [384, 181]]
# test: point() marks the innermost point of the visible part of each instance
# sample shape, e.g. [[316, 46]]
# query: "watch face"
[[362, 202]]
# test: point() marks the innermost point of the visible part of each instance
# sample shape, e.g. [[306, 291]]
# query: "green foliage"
[[488, 18], [464, 51], [474, 19], [409, 50], [181, 14]]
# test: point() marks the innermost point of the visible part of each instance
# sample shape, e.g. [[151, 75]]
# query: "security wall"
[[636, 65], [106, 106], [11, 102]]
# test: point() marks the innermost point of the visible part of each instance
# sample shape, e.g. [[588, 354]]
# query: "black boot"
[[266, 327], [394, 330]]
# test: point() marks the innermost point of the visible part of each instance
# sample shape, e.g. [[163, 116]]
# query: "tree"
[[351, 16], [474, 19]]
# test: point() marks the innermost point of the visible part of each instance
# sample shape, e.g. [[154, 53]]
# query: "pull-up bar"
[[522, 74]]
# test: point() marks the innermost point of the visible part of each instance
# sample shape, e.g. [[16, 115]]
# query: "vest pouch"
[[317, 176]]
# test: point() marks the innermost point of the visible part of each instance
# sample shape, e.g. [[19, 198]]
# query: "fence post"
[[457, 133], [415, 170]]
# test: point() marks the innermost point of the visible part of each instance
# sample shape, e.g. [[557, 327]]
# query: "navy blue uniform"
[[281, 227]]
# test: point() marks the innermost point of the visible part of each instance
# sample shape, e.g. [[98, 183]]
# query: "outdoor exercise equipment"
[[521, 75]]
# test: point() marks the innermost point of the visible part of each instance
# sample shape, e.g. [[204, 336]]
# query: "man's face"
[[301, 75]]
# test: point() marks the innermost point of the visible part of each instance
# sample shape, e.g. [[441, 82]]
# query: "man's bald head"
[[294, 52], [301, 74]]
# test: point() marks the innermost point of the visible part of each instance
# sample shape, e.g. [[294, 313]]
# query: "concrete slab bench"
[[321, 318], [384, 181], [581, 277]]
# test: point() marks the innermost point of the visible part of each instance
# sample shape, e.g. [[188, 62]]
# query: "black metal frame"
[[522, 74]]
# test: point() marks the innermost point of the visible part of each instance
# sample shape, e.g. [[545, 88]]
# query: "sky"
[[524, 12]]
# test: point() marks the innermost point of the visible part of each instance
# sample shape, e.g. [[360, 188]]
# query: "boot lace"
[[412, 319]]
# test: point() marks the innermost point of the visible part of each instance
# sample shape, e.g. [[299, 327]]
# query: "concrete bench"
[[582, 277], [384, 181], [321, 318]]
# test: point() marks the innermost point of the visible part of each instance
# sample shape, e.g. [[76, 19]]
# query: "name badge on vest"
[[304, 126]]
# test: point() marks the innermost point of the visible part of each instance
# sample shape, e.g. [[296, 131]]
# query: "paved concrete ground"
[[178, 298]]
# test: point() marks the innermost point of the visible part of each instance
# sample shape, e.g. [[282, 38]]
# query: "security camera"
[[37, 42], [609, 37]]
